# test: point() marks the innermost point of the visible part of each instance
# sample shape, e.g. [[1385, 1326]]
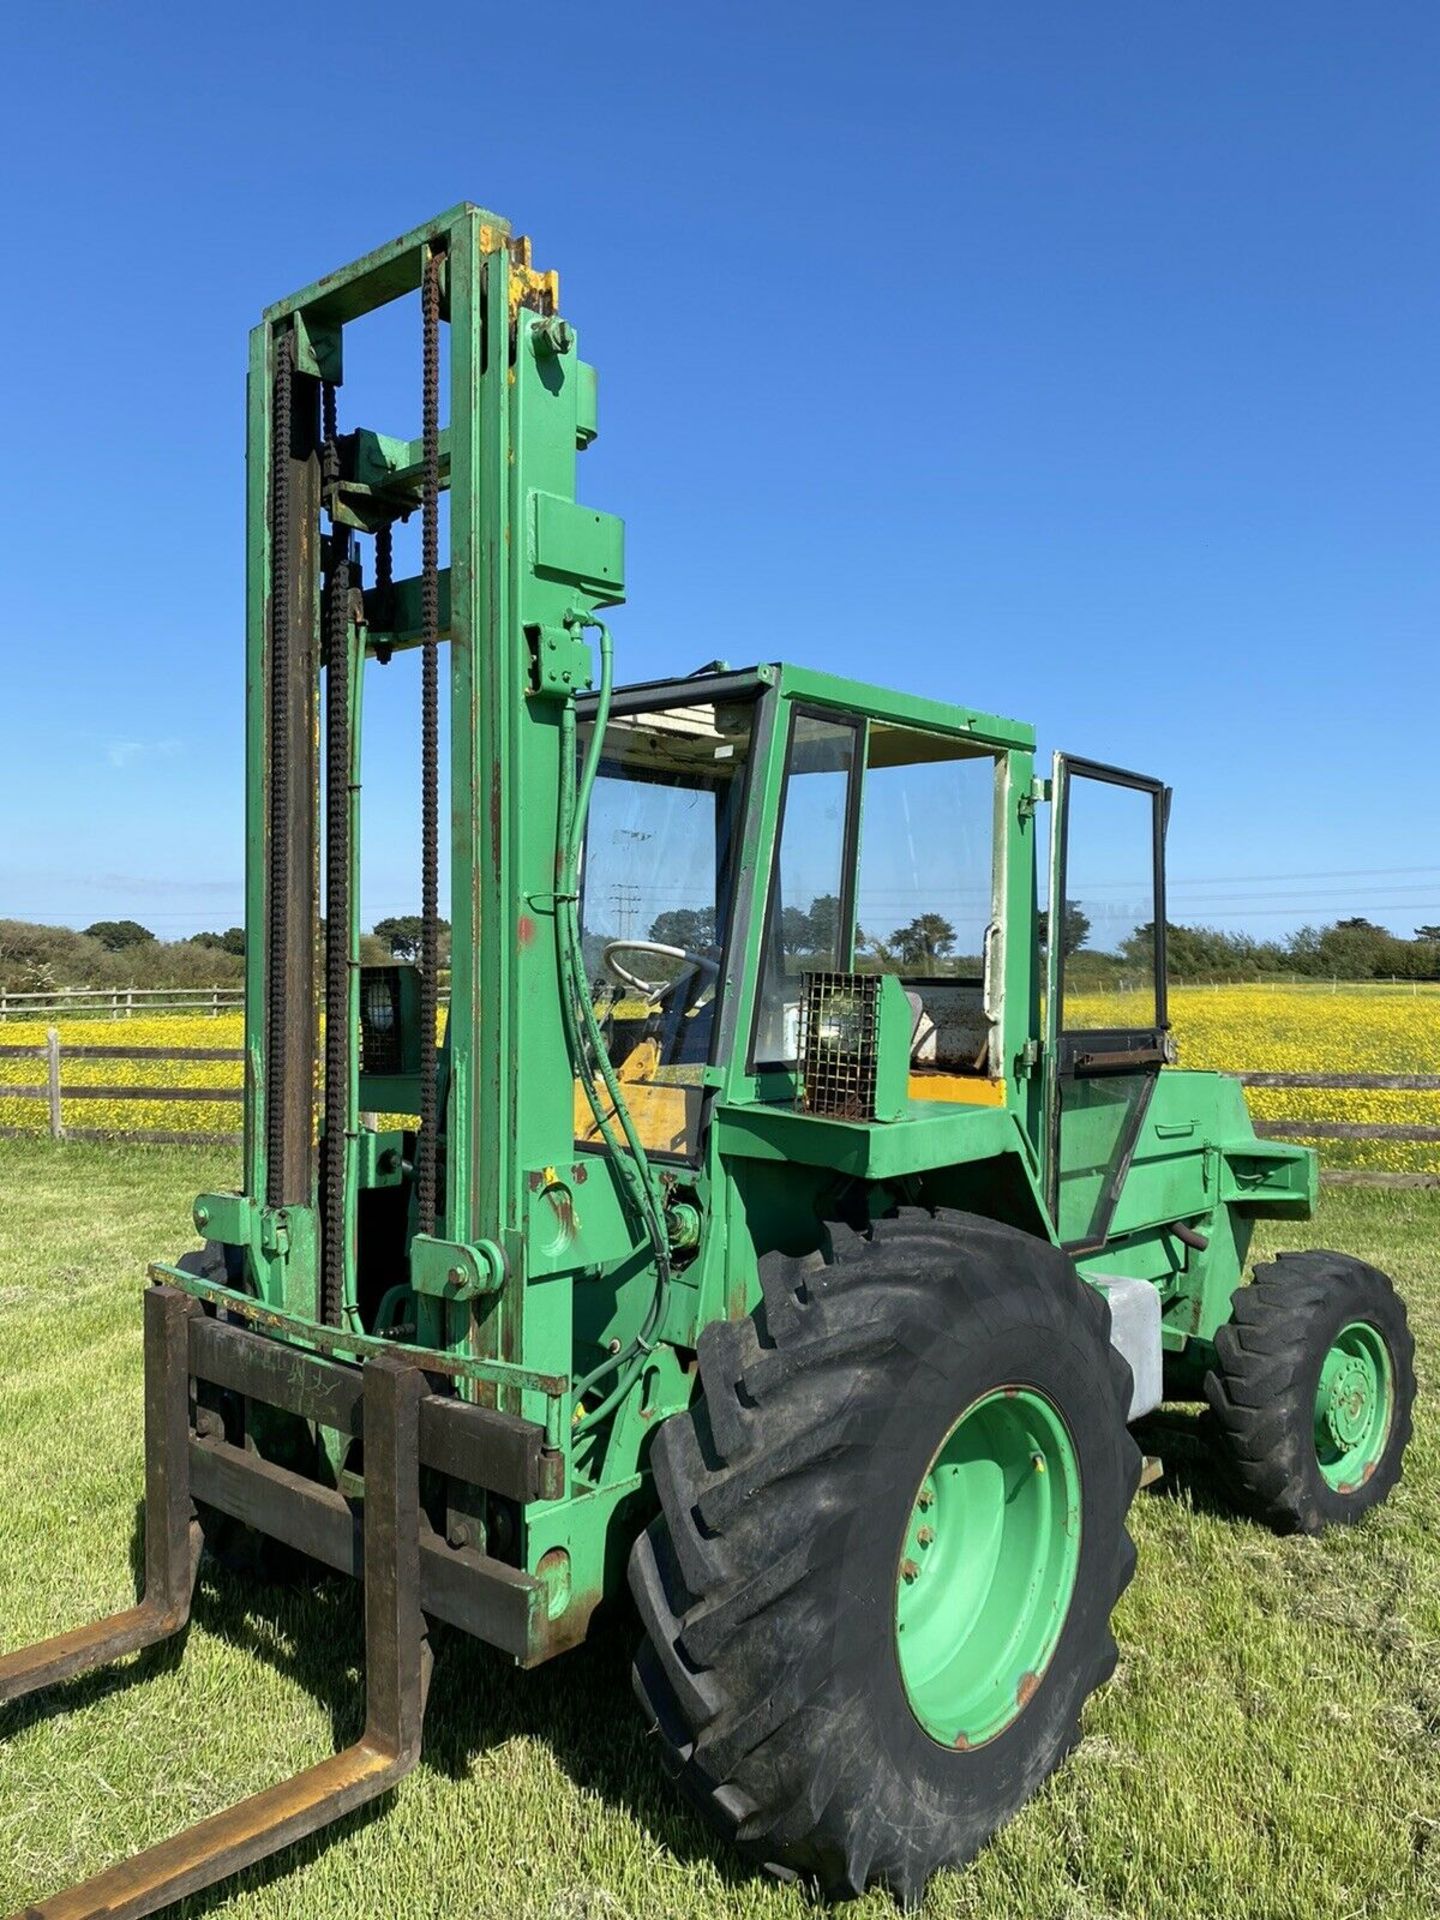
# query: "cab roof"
[[810, 687]]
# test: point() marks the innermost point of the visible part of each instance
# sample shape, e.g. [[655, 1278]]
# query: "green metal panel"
[[893, 1026], [383, 275], [855, 696], [934, 1133], [257, 592], [1014, 957], [577, 545]]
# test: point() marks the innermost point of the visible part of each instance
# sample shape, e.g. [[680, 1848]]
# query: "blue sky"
[[1077, 361]]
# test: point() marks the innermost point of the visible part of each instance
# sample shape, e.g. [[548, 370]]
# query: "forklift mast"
[[527, 568], [246, 1344]]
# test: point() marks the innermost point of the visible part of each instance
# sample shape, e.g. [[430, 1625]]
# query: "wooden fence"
[[57, 1095], [1355, 1129], [131, 1003], [121, 1003]]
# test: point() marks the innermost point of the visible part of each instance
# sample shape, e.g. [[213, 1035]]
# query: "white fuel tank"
[[1135, 1332]]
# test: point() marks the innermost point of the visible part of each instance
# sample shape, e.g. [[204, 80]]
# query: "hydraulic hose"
[[585, 1039], [391, 1301]]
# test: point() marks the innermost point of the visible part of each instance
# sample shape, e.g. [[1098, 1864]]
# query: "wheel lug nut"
[[909, 1571], [926, 1500], [925, 1536]]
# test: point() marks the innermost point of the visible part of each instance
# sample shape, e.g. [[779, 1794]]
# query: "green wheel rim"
[[1354, 1406], [988, 1566]]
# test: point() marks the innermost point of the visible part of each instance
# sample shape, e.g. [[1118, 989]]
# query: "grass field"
[[1296, 1029], [1268, 1750]]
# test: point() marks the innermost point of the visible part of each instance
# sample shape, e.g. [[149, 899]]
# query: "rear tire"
[[770, 1586], [1313, 1395]]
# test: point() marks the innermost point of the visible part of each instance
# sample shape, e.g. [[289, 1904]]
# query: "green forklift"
[[785, 1218]]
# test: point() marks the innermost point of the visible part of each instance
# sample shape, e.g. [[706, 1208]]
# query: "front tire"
[[1313, 1392], [787, 1564]]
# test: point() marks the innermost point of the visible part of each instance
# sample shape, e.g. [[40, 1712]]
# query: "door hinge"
[[1031, 802]]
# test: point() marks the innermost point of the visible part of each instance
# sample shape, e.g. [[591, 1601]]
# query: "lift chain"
[[337, 888], [384, 598], [329, 435], [277, 915], [426, 1143]]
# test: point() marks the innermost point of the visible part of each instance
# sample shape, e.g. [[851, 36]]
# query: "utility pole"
[[625, 898]]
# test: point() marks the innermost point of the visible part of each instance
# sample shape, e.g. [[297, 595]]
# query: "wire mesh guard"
[[381, 1034], [839, 1044]]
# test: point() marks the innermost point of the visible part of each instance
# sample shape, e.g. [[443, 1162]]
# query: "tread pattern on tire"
[[755, 1485], [1261, 1395]]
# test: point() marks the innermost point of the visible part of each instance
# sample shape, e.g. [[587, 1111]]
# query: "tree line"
[[1349, 949], [922, 945], [35, 958]]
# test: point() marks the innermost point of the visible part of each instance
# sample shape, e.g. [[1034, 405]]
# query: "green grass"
[[1270, 1746]]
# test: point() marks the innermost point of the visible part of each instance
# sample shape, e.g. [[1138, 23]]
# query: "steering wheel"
[[657, 992]]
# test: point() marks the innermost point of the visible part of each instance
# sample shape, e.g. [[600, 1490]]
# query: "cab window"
[[656, 889], [885, 865], [925, 900], [811, 895]]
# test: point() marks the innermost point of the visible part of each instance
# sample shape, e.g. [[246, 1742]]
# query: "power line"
[[625, 898], [1325, 873], [1294, 913], [628, 896], [1416, 895]]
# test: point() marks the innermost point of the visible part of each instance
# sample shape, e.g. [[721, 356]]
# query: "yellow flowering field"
[[1281, 1029], [126, 1116], [1317, 1029]]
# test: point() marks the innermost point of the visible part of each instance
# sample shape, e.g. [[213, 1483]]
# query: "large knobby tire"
[[773, 1583], [1313, 1391]]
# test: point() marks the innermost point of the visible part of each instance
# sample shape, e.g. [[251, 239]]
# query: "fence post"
[[52, 1080]]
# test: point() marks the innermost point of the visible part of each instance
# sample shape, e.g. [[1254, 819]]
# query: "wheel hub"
[[1353, 1406], [988, 1565], [1351, 1398]]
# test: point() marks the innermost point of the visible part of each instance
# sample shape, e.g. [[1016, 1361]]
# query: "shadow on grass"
[[1190, 1454], [309, 1627], [578, 1706], [73, 1696]]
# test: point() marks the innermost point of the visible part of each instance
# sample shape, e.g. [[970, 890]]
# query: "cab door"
[[1107, 1028]]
